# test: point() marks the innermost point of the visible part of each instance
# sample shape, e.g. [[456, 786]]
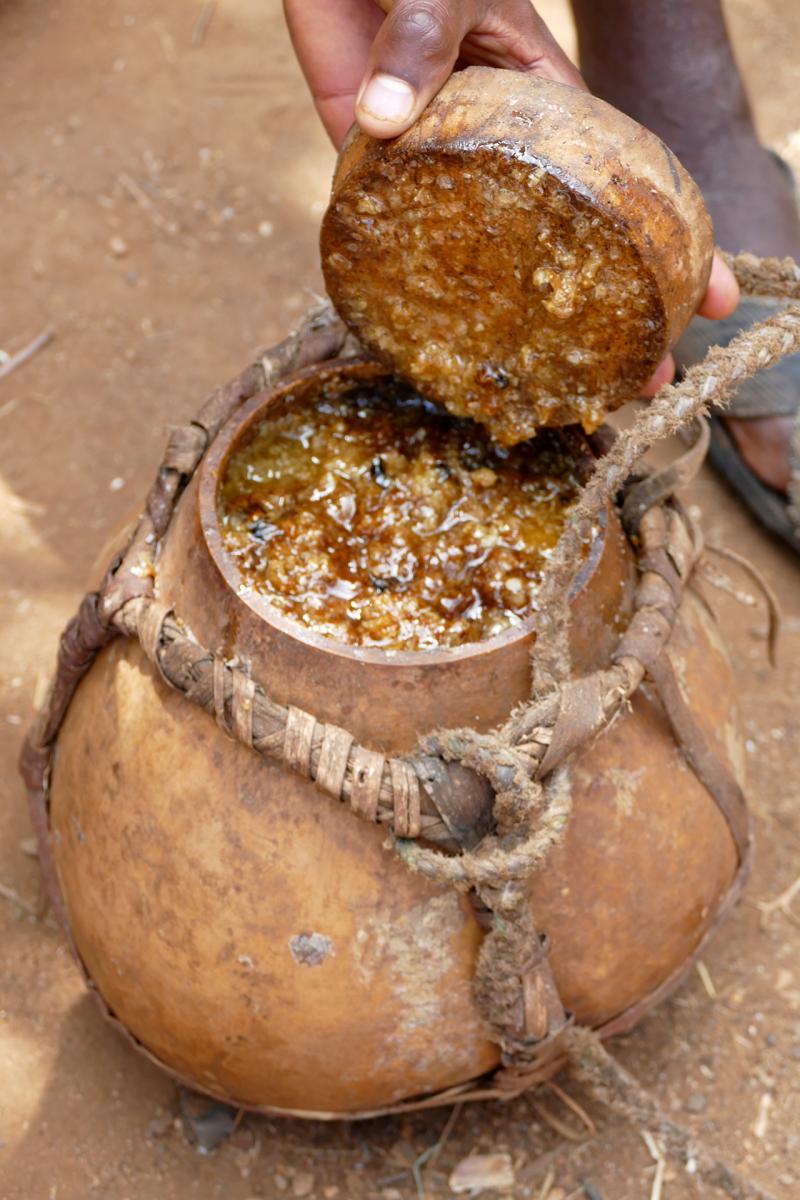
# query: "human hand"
[[720, 300], [383, 71]]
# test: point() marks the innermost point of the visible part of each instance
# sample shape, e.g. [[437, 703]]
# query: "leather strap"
[[701, 757]]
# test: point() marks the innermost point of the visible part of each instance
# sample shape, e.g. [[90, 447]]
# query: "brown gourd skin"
[[525, 254]]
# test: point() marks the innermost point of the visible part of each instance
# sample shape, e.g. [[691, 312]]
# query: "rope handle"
[[516, 771]]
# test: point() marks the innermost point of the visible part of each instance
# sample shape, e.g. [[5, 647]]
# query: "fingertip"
[[386, 105], [663, 374], [722, 293], [412, 56]]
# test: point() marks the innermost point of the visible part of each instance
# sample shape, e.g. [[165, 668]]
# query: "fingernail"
[[387, 98]]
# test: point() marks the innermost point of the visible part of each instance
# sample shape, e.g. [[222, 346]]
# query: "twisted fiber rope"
[[530, 815], [777, 278], [523, 760], [513, 986]]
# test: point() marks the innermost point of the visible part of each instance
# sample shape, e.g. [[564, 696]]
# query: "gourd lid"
[[524, 254]]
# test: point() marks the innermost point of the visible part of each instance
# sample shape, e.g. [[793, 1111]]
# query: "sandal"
[[773, 393]]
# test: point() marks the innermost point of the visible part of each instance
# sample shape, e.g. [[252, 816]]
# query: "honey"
[[378, 519], [502, 294]]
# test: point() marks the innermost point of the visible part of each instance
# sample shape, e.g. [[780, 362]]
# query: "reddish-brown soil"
[[160, 210]]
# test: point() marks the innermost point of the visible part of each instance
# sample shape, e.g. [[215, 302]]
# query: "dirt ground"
[[160, 208]]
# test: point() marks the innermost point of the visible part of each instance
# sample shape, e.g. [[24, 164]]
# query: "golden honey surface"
[[378, 519], [504, 295]]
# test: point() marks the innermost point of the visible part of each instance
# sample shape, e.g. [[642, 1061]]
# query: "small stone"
[[303, 1184], [118, 247], [696, 1103], [266, 229], [30, 847], [160, 1126], [391, 1194], [281, 1182], [479, 1171], [207, 1122], [556, 1193], [117, 483], [330, 1192]]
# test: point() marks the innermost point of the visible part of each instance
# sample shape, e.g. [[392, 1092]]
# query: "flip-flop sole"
[[767, 505]]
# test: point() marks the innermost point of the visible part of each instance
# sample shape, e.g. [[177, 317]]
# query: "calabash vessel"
[[250, 932], [263, 943]]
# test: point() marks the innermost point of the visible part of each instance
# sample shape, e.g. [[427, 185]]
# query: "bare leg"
[[669, 64]]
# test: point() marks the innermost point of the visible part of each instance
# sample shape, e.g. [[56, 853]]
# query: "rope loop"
[[526, 761]]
